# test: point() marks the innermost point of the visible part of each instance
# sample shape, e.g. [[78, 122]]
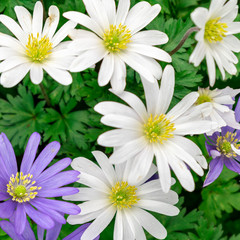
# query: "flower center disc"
[[224, 144], [116, 38], [215, 30], [22, 188], [158, 129], [38, 49], [123, 195]]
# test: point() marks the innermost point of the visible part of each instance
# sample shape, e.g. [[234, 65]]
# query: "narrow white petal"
[[106, 167], [211, 68], [233, 28], [110, 8], [36, 73], [93, 205], [199, 16], [61, 76], [127, 230], [198, 54], [15, 75], [122, 11], [106, 70], [6, 52], [37, 21], [12, 62], [11, 42], [24, 18], [99, 224], [232, 42], [151, 172], [118, 226]]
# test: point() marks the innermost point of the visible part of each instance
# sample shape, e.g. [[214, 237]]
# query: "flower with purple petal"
[[26, 192], [52, 234], [224, 148]]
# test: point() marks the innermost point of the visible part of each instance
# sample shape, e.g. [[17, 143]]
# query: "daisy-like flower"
[[213, 106], [26, 192], [110, 192], [115, 38], [224, 148], [52, 234], [35, 48], [215, 39], [147, 132]]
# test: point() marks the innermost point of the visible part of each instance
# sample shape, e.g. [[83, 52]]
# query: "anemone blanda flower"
[[51, 234], [147, 132], [224, 148], [115, 38], [26, 192], [215, 39], [110, 192], [35, 48], [214, 106]]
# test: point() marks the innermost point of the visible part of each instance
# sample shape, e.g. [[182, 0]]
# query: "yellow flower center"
[[22, 188], [224, 144], [204, 96], [116, 38], [158, 129], [123, 195], [215, 30], [38, 49]]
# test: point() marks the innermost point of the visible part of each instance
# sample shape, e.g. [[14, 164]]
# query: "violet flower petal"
[[40, 232], [44, 158], [30, 152], [59, 192], [7, 208], [8, 228], [20, 219], [28, 232], [52, 234], [215, 168], [232, 165], [237, 111]]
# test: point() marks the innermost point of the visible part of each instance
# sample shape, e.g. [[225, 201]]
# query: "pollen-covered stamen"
[[204, 96], [21, 187], [224, 144], [38, 49], [158, 129], [215, 30], [123, 195], [116, 38]]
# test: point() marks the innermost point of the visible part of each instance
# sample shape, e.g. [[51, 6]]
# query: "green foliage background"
[[206, 214]]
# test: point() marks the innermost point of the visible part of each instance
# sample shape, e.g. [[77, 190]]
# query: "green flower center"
[[116, 38], [215, 30], [123, 195], [158, 129], [21, 187], [203, 98], [224, 144], [38, 49]]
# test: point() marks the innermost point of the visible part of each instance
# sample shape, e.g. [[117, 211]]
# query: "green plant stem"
[[45, 94], [185, 37]]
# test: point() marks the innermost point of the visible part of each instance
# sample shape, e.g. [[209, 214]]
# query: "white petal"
[[232, 42], [12, 62], [141, 15], [24, 18], [166, 90], [88, 59], [118, 227], [127, 230], [199, 16], [51, 22], [150, 37], [159, 207], [118, 79], [122, 11], [106, 70], [106, 167], [198, 54], [15, 75], [150, 223], [233, 28], [149, 51], [13, 43], [63, 32], [110, 8], [133, 101], [36, 73], [80, 34], [84, 20], [6, 52], [61, 76], [93, 205], [229, 117], [151, 172], [228, 8], [99, 224], [182, 106], [37, 21], [211, 68]]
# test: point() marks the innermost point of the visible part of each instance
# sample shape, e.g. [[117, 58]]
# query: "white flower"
[[116, 39], [215, 39], [144, 133], [212, 105], [35, 47], [110, 192]]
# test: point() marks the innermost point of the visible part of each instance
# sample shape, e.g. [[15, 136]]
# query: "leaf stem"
[[45, 95], [185, 37]]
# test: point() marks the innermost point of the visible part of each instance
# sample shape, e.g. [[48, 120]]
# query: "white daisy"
[[116, 39], [35, 48], [144, 133], [110, 192], [215, 39], [213, 106]]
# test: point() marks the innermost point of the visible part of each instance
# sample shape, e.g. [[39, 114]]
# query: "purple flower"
[[219, 146], [52, 234], [26, 192]]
